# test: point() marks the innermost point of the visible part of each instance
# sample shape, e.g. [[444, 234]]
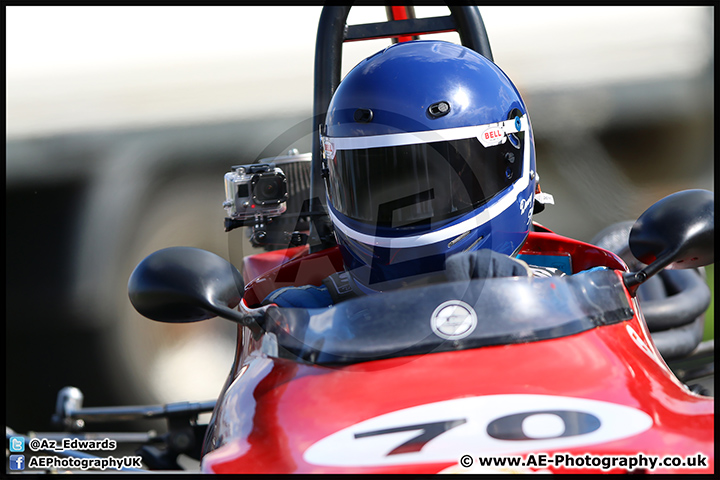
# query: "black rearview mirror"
[[185, 284], [676, 232]]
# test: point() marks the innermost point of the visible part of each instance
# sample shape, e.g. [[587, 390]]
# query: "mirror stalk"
[[634, 280]]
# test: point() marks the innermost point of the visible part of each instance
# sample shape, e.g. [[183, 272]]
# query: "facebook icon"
[[17, 462]]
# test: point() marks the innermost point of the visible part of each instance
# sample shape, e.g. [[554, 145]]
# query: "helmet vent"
[[439, 109], [363, 115]]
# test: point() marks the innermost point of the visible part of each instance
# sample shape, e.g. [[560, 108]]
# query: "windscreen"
[[507, 310]]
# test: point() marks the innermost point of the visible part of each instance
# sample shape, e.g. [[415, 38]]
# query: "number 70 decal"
[[488, 425], [415, 444]]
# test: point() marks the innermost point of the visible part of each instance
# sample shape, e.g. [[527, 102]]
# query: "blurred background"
[[121, 122]]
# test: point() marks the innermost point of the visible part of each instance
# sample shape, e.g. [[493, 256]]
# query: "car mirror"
[[675, 232], [186, 284]]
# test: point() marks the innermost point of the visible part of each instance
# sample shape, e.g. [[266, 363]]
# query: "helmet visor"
[[409, 185]]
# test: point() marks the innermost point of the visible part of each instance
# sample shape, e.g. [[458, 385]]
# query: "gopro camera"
[[254, 191]]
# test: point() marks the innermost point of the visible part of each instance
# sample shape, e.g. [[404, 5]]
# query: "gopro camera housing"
[[255, 190]]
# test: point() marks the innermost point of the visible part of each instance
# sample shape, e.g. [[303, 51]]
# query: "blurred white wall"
[[88, 68]]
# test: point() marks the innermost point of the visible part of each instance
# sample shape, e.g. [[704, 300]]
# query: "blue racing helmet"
[[429, 152]]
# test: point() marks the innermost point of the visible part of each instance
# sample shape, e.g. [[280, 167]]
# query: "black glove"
[[484, 264]]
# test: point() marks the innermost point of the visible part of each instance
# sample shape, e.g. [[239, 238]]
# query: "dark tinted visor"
[[404, 186]]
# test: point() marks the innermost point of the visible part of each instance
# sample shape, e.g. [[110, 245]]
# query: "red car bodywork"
[[281, 416]]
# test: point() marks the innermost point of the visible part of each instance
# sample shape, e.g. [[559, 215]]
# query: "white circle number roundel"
[[486, 425]]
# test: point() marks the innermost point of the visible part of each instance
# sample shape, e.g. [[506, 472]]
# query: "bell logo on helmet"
[[495, 133]]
